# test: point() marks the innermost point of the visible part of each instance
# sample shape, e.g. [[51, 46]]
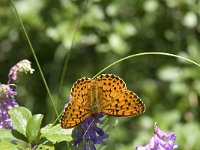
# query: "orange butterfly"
[[106, 94]]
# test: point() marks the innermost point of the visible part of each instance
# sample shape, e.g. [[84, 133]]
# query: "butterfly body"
[[94, 98], [106, 94]]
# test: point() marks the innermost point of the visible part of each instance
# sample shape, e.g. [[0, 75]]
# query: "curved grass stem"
[[146, 53]]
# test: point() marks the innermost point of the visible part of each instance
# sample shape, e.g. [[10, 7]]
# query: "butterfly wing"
[[73, 115], [117, 100], [80, 90], [126, 103], [78, 108], [110, 85]]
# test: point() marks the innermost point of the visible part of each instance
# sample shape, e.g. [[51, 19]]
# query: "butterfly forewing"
[[80, 89], [111, 86]]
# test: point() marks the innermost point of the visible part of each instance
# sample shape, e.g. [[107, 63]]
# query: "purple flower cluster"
[[160, 141], [88, 134], [8, 92], [7, 101]]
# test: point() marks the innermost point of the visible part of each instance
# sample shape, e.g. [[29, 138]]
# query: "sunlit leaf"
[[5, 145], [56, 133], [5, 134], [33, 127], [19, 117]]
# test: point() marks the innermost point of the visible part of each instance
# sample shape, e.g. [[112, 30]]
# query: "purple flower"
[[8, 92], [87, 135], [7, 101], [160, 141], [22, 66]]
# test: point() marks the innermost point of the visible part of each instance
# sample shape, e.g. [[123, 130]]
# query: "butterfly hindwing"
[[126, 103], [73, 115]]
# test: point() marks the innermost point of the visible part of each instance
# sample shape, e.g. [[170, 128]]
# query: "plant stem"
[[142, 54], [35, 57]]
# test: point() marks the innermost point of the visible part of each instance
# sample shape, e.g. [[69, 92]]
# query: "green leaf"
[[56, 134], [19, 136], [6, 134], [45, 147], [7, 145], [19, 118], [33, 127]]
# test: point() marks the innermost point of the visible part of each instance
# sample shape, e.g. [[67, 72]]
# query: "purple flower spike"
[[7, 101], [88, 134], [22, 66], [160, 141]]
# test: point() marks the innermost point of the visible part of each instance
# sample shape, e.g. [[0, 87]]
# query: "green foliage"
[[27, 132], [19, 118], [109, 30], [33, 128], [7, 145], [45, 147], [56, 133], [6, 134]]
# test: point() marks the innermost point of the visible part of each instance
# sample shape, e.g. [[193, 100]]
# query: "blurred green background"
[[110, 30]]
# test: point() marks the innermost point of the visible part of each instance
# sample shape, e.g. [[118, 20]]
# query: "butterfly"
[[106, 94]]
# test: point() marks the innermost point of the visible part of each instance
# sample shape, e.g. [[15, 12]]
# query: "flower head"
[[7, 101], [8, 92], [160, 141], [22, 66], [88, 134]]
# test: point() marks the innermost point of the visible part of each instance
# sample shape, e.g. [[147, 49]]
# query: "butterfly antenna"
[[88, 127]]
